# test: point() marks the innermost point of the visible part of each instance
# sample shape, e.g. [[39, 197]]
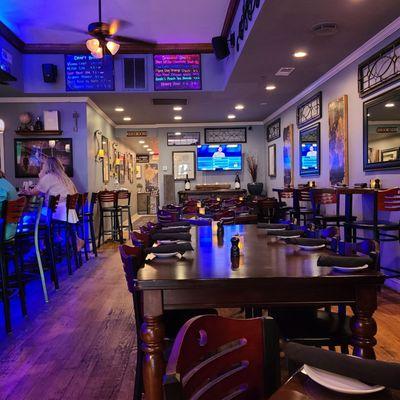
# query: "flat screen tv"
[[84, 73], [219, 157], [310, 151], [177, 72]]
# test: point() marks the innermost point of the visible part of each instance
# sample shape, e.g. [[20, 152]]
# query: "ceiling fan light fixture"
[[92, 45], [113, 47], [98, 53]]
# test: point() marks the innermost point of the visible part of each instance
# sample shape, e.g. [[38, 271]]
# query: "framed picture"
[[274, 130], [130, 166], [310, 152], [183, 138], [183, 163], [272, 160], [225, 135], [338, 132], [30, 153], [288, 164], [390, 154], [309, 111], [122, 168], [106, 159], [138, 170]]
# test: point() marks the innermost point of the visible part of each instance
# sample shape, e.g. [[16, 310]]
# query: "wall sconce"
[[100, 153], [117, 161]]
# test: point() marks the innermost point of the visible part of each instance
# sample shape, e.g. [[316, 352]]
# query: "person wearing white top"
[[53, 181]]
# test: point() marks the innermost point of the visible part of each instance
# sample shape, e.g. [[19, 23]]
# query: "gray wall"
[[9, 112], [255, 146], [343, 83]]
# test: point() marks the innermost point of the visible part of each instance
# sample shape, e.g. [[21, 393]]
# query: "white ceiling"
[[162, 21]]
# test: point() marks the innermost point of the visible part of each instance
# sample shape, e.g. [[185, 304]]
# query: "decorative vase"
[[255, 188]]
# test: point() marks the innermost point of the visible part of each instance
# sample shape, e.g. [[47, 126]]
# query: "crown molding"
[[230, 17], [354, 56], [192, 125]]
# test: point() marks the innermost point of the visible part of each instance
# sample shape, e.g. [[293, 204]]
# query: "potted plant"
[[255, 188]]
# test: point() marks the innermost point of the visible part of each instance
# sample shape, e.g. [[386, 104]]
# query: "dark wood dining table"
[[301, 387], [269, 273]]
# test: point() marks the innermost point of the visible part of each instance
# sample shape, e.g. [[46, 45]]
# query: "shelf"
[[40, 133]]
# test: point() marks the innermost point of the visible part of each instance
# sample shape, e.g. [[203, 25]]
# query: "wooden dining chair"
[[267, 210], [216, 358], [301, 205]]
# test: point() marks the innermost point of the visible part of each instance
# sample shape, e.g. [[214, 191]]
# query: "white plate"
[[350, 269], [288, 237], [165, 255], [339, 383], [319, 246]]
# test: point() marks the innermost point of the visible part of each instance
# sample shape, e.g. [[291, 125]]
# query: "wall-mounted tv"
[[177, 72], [310, 150], [85, 73], [219, 157]]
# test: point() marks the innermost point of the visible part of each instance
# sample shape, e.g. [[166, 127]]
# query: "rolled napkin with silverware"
[[340, 261], [171, 236], [170, 248], [175, 229], [306, 241], [287, 233], [371, 372], [264, 225], [174, 224]]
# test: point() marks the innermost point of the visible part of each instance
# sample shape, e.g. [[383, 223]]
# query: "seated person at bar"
[[7, 192], [54, 181]]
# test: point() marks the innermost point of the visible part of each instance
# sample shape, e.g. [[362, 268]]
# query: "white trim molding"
[[354, 56], [191, 125]]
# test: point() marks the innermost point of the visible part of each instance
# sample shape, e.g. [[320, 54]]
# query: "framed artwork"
[[309, 111], [30, 153], [380, 70], [150, 173], [138, 170], [288, 164], [130, 165], [122, 168], [390, 154], [338, 143], [183, 163], [106, 159], [225, 135], [274, 130], [310, 150], [272, 160], [183, 138]]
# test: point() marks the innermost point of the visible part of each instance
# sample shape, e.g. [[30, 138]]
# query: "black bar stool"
[[89, 219], [108, 211], [124, 208]]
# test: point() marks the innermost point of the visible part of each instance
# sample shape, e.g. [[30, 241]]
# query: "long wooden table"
[[270, 273]]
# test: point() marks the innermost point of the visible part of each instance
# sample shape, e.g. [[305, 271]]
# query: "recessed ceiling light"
[[368, 115], [239, 107], [178, 133], [151, 152], [177, 117], [142, 142], [270, 87], [389, 105], [231, 116], [119, 109], [177, 108], [145, 146], [299, 54], [127, 118]]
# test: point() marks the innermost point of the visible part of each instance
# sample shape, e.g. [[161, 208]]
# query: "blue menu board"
[[177, 72], [84, 73]]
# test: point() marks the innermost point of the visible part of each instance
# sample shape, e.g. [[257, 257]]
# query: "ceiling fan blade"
[[125, 39], [67, 28]]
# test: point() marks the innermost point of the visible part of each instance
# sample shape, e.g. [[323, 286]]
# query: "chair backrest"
[[123, 196], [285, 194], [93, 201], [323, 197], [81, 203], [389, 200], [13, 209], [72, 201], [32, 213], [52, 203], [222, 358], [267, 208], [106, 197], [304, 195], [140, 238]]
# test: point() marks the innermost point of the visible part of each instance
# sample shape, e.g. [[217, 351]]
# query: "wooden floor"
[[82, 344]]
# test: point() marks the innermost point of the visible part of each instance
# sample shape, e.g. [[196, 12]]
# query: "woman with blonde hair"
[[53, 181]]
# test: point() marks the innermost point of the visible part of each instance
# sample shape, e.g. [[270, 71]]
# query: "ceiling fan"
[[105, 39]]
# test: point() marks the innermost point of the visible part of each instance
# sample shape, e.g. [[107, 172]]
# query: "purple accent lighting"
[[177, 72]]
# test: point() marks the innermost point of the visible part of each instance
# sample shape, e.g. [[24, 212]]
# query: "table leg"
[[349, 215], [152, 335], [363, 326]]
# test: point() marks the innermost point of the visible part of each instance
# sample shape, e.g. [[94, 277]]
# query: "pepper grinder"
[[235, 251], [220, 228]]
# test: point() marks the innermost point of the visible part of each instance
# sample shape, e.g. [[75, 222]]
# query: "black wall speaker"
[[220, 46], [49, 73]]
